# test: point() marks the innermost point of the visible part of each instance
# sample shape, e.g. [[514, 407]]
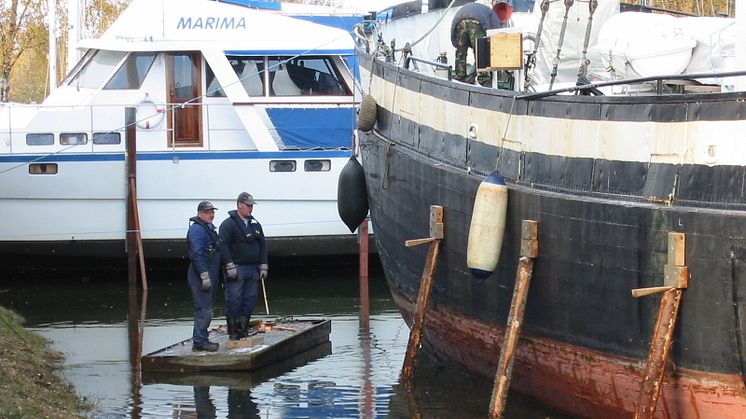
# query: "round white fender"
[[487, 226], [149, 113]]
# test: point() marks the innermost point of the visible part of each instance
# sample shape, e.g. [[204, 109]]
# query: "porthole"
[[42, 168], [317, 165], [282, 165], [76, 138]]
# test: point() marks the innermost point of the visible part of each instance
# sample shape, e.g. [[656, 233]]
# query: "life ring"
[[149, 113], [366, 117]]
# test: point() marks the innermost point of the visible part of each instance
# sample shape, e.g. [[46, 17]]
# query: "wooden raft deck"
[[269, 342]]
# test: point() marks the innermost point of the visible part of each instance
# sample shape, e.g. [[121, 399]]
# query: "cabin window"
[[101, 138], [98, 69], [77, 138], [132, 73], [40, 139], [214, 89], [305, 76], [250, 72], [317, 165], [282, 165], [42, 168]]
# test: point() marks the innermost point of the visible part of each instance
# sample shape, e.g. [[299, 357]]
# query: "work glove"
[[263, 271], [205, 277], [231, 272]]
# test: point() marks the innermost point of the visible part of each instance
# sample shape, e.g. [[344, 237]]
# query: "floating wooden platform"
[[268, 343], [237, 379]]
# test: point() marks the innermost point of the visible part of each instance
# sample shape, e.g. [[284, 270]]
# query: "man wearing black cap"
[[206, 252], [244, 237]]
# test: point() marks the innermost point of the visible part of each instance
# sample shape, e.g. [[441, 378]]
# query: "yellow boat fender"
[[149, 113], [366, 116], [487, 226]]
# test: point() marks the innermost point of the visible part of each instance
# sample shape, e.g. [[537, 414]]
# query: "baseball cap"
[[205, 206], [246, 198]]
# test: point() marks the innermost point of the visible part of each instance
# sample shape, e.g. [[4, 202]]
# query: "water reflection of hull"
[[279, 341], [235, 379]]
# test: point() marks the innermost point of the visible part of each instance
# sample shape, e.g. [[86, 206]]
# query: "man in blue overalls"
[[206, 252], [244, 237]]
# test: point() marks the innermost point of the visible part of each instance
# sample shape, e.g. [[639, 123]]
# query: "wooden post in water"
[[529, 251], [134, 236], [676, 279], [130, 117], [415, 334], [363, 274]]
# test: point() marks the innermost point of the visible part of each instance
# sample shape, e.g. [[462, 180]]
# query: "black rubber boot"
[[208, 347], [243, 326], [233, 328]]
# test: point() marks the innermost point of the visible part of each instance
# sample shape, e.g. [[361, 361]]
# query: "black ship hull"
[[603, 228]]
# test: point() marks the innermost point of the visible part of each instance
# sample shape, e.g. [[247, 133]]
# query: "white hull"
[[62, 187]]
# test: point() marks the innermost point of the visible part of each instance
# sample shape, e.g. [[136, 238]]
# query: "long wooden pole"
[[676, 279], [660, 347], [504, 372], [415, 335], [437, 228], [512, 335], [134, 235], [363, 274], [138, 234], [264, 292], [130, 140]]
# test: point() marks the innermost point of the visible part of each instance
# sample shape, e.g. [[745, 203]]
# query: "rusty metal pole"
[[415, 334], [504, 372], [676, 279]]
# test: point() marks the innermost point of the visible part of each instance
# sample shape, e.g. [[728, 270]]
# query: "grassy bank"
[[30, 386]]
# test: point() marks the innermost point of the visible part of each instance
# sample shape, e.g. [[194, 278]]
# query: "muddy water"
[[84, 310]]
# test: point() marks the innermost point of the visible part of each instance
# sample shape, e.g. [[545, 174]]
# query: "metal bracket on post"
[[415, 334], [676, 279]]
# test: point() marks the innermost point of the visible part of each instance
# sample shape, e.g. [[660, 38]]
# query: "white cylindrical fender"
[[487, 226]]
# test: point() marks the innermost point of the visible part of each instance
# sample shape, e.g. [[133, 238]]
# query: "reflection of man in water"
[[241, 405], [203, 404]]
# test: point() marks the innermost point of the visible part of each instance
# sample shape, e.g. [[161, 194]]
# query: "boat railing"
[[101, 127], [436, 64], [659, 83]]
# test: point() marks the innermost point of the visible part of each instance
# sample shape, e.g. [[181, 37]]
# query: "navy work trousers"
[[241, 293], [203, 302]]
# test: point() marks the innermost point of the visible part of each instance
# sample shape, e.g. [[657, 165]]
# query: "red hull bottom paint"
[[574, 379]]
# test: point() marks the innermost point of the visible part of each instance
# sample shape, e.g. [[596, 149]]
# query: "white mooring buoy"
[[487, 226]]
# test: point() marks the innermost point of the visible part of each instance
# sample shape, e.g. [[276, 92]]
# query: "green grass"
[[30, 386]]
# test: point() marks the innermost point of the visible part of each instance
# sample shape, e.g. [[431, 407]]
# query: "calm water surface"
[[84, 312]]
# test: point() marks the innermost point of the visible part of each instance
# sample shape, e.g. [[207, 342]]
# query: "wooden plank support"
[[415, 333], [676, 280], [504, 372]]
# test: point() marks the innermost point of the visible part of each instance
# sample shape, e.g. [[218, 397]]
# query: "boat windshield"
[[132, 73], [97, 69], [305, 76]]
